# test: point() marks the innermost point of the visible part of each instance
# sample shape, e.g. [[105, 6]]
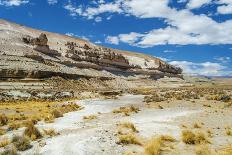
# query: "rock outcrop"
[[31, 53]]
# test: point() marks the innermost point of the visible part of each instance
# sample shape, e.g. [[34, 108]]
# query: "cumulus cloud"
[[205, 68], [112, 40], [193, 4], [52, 2], [225, 7], [223, 59], [13, 2], [183, 26]]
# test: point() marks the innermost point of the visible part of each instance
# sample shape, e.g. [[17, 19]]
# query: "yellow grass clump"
[[32, 132], [153, 147], [3, 119], [4, 142], [90, 117], [126, 110], [190, 137], [129, 139], [50, 132], [128, 125], [21, 143]]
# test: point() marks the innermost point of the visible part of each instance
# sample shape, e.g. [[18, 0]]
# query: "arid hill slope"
[[30, 53]]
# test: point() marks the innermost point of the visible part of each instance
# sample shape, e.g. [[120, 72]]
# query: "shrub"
[[50, 132], [128, 139], [228, 132], [90, 117], [56, 113], [4, 142], [197, 125], [153, 147], [2, 132], [129, 126], [3, 119], [189, 137], [14, 126], [32, 132], [21, 143], [203, 150], [10, 151]]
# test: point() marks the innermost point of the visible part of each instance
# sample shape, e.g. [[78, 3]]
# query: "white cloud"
[[73, 10], [77, 36], [112, 40], [98, 42], [98, 19], [193, 4], [169, 51], [183, 26], [225, 6], [205, 68], [52, 2], [13, 2], [223, 59]]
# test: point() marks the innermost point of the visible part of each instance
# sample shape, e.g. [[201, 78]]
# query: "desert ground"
[[171, 118]]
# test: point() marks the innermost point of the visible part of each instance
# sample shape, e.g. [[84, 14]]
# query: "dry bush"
[[225, 151], [21, 143], [3, 119], [128, 125], [90, 117], [128, 139], [10, 151], [50, 132], [2, 132], [56, 113], [190, 137], [32, 132], [14, 126], [203, 150], [153, 147], [4, 142], [196, 125], [126, 110], [167, 138], [228, 132]]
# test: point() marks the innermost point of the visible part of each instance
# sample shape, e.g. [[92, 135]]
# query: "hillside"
[[30, 53]]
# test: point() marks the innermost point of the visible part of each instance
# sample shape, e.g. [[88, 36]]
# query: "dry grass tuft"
[[4, 142], [203, 150], [3, 119], [21, 143], [153, 147], [50, 132], [128, 125], [168, 138], [56, 113], [190, 137], [14, 126], [228, 132], [196, 125], [129, 139], [2, 132], [90, 117], [10, 151], [127, 110], [32, 132]]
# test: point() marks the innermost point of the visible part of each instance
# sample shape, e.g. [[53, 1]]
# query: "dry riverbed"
[[128, 125]]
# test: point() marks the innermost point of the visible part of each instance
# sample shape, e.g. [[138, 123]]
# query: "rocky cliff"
[[30, 53]]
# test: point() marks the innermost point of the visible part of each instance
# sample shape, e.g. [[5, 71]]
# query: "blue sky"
[[193, 34]]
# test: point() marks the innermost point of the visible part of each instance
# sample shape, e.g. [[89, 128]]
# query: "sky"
[[193, 34]]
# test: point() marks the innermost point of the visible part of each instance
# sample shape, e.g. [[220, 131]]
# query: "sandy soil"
[[78, 136]]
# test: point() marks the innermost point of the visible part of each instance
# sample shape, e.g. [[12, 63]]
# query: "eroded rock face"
[[100, 56], [35, 54]]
